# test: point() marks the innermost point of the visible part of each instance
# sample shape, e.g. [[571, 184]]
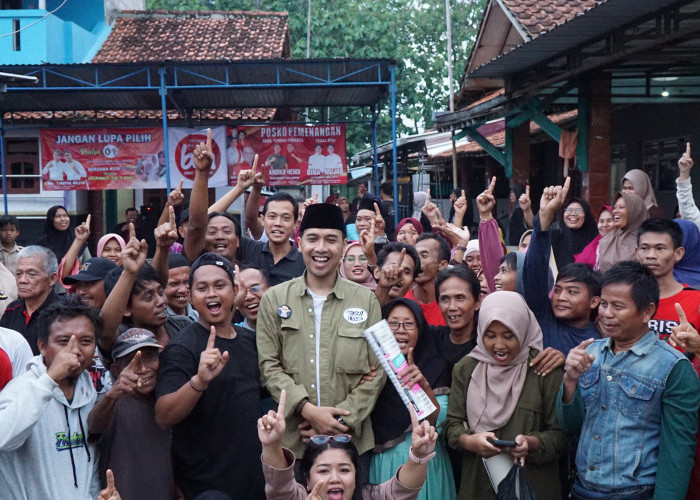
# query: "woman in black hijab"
[[58, 233], [579, 228], [391, 421]]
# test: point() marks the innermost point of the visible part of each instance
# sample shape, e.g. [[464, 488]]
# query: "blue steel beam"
[[392, 89], [164, 111], [2, 162]]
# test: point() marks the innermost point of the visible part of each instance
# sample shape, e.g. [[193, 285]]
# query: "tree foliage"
[[411, 31]]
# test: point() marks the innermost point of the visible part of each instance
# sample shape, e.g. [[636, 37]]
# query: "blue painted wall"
[[71, 35]]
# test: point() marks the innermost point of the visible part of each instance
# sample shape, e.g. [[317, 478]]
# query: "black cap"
[[323, 216], [93, 269], [177, 260], [211, 259], [367, 203], [184, 216]]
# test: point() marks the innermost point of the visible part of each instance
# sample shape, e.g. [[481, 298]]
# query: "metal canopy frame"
[[187, 86], [648, 48]]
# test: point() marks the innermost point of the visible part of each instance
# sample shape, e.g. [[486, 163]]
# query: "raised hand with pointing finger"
[[486, 201], [110, 492], [577, 363], [82, 232], [684, 335], [247, 178], [166, 234], [66, 363], [176, 196], [204, 154], [553, 198], [211, 362], [685, 163]]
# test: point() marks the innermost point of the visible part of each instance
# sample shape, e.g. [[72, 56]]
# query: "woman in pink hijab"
[[353, 266], [496, 395]]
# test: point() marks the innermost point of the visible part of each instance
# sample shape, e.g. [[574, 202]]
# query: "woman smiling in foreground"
[[329, 465]]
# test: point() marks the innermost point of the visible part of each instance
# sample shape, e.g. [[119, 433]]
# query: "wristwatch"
[[417, 460]]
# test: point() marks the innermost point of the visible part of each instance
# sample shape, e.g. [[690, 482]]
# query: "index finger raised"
[[71, 344], [283, 402], [681, 313], [87, 221], [212, 338], [179, 186], [492, 185], [399, 261], [565, 188], [135, 364], [255, 163], [687, 148], [110, 479], [414, 416], [317, 487], [464, 195], [376, 210], [527, 190], [171, 215], [132, 231], [208, 139], [585, 343]]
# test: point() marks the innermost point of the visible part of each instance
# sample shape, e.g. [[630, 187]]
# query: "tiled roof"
[[539, 16], [160, 35], [498, 139], [254, 114]]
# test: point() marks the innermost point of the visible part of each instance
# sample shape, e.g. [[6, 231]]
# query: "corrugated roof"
[[160, 35]]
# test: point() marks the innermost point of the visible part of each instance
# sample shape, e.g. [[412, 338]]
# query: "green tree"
[[411, 31]]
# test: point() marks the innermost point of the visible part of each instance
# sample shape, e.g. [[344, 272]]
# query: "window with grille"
[[21, 167]]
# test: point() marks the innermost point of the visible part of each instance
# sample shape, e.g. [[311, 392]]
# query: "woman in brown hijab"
[[637, 182], [496, 394], [629, 211]]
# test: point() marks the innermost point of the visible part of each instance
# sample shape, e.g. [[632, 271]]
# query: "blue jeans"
[[579, 492]]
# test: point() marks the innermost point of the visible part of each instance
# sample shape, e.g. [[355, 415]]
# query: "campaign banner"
[[289, 155], [103, 158], [181, 144]]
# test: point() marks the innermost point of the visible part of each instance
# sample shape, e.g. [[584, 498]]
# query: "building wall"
[[634, 125]]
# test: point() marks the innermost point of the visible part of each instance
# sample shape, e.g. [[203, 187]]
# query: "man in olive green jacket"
[[310, 340]]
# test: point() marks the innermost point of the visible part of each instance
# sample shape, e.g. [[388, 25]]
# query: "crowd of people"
[[234, 366]]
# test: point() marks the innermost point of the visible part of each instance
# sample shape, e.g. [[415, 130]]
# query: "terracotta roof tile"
[[151, 36], [539, 16], [259, 114]]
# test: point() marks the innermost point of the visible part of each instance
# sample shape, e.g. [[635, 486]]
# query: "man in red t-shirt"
[[659, 247], [434, 253]]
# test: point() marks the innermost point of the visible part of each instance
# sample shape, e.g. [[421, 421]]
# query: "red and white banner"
[[104, 158], [289, 155], [181, 143]]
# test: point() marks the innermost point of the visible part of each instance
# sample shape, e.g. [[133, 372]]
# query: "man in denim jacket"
[[631, 398]]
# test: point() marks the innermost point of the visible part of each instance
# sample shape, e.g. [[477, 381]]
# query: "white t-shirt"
[[55, 169], [334, 164], [74, 171], [317, 164], [319, 300], [17, 349]]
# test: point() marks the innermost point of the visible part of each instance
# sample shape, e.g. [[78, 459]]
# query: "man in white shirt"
[[73, 169], [317, 162], [334, 165], [55, 168]]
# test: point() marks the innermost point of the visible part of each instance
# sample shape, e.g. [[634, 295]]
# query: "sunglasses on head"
[[323, 439]]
